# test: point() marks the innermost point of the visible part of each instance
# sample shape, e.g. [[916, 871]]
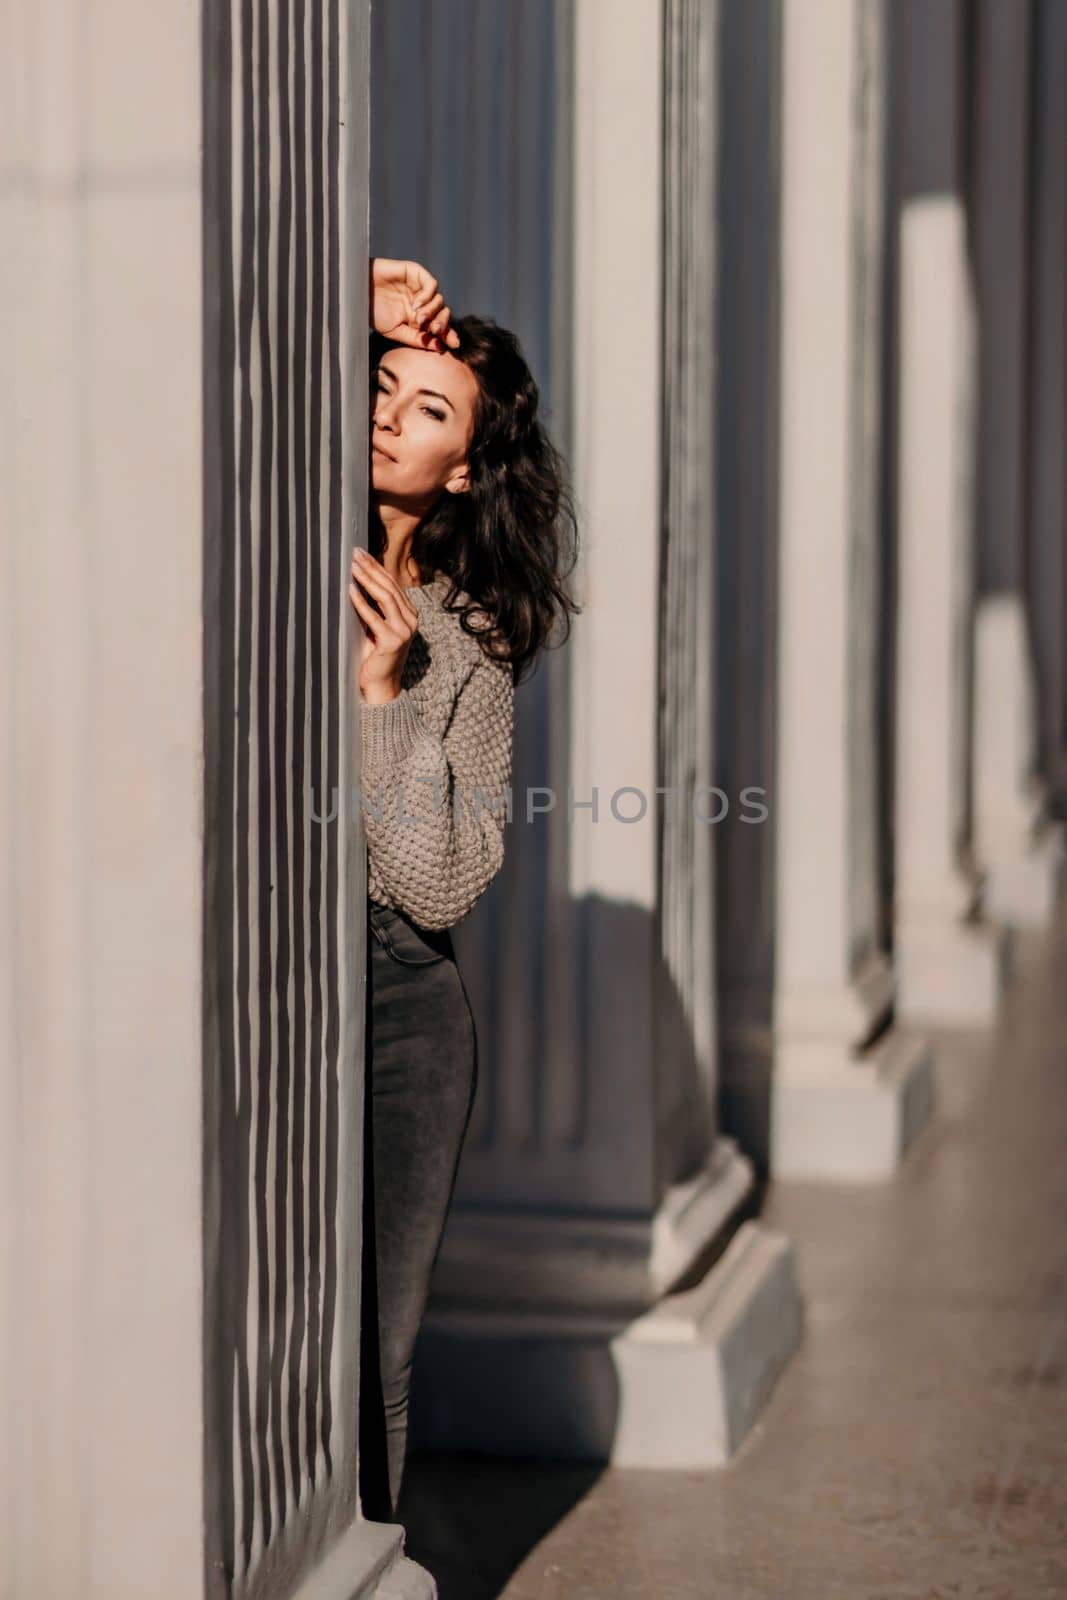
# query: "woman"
[[472, 534]]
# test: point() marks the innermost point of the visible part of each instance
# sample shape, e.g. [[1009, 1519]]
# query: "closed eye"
[[431, 411]]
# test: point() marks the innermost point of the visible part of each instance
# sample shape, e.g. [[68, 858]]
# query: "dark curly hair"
[[511, 540]]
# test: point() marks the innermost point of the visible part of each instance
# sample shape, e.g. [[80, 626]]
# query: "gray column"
[[1001, 205], [746, 540], [594, 1176], [287, 176], [1022, 862], [1047, 530], [282, 1289], [949, 966]]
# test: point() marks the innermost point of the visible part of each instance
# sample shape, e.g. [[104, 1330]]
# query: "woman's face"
[[422, 418]]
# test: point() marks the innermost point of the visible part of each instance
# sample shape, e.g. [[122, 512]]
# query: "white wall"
[[101, 808]]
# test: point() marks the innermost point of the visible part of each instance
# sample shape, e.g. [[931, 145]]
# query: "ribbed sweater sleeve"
[[435, 808]]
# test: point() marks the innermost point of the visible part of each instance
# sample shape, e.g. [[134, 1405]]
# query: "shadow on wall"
[[515, 1395]]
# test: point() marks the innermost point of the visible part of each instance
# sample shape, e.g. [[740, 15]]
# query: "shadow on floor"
[[472, 1520]]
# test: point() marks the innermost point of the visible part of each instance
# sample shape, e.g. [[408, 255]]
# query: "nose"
[[383, 413]]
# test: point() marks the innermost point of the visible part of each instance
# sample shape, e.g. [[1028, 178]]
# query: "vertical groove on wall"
[[318, 763], [328, 633], [746, 557], [867, 229], [567, 1089], [1046, 566], [685, 1012]]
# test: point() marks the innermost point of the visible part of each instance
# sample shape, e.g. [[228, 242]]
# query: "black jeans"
[[422, 1072]]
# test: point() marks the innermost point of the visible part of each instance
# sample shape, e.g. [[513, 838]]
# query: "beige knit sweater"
[[436, 771]]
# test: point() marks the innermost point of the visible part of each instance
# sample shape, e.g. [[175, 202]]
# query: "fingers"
[[407, 306], [441, 333], [403, 333], [398, 609], [364, 610], [428, 318], [365, 605], [442, 328], [426, 311], [420, 338], [423, 282], [431, 315], [435, 316]]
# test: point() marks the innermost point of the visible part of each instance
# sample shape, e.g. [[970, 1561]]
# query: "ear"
[[459, 482]]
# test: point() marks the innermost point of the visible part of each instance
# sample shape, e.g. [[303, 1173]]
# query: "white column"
[[949, 965], [837, 1110], [1022, 856], [102, 1345]]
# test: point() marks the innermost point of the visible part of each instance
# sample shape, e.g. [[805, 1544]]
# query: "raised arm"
[[407, 306]]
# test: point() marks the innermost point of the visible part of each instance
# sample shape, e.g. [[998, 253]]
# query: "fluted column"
[[746, 538], [837, 1110], [1021, 858], [949, 966], [285, 434]]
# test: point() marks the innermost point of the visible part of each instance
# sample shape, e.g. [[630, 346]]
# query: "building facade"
[[791, 280]]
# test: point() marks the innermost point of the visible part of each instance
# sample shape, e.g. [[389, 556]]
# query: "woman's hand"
[[387, 633], [405, 305]]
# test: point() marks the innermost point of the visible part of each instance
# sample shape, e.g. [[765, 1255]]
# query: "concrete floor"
[[916, 1446]]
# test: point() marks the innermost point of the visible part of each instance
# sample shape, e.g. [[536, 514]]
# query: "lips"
[[382, 452]]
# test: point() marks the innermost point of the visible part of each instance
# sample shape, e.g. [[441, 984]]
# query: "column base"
[[589, 1261], [368, 1563], [951, 973], [405, 1580], [696, 1371], [840, 1117], [678, 1387], [1023, 892]]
